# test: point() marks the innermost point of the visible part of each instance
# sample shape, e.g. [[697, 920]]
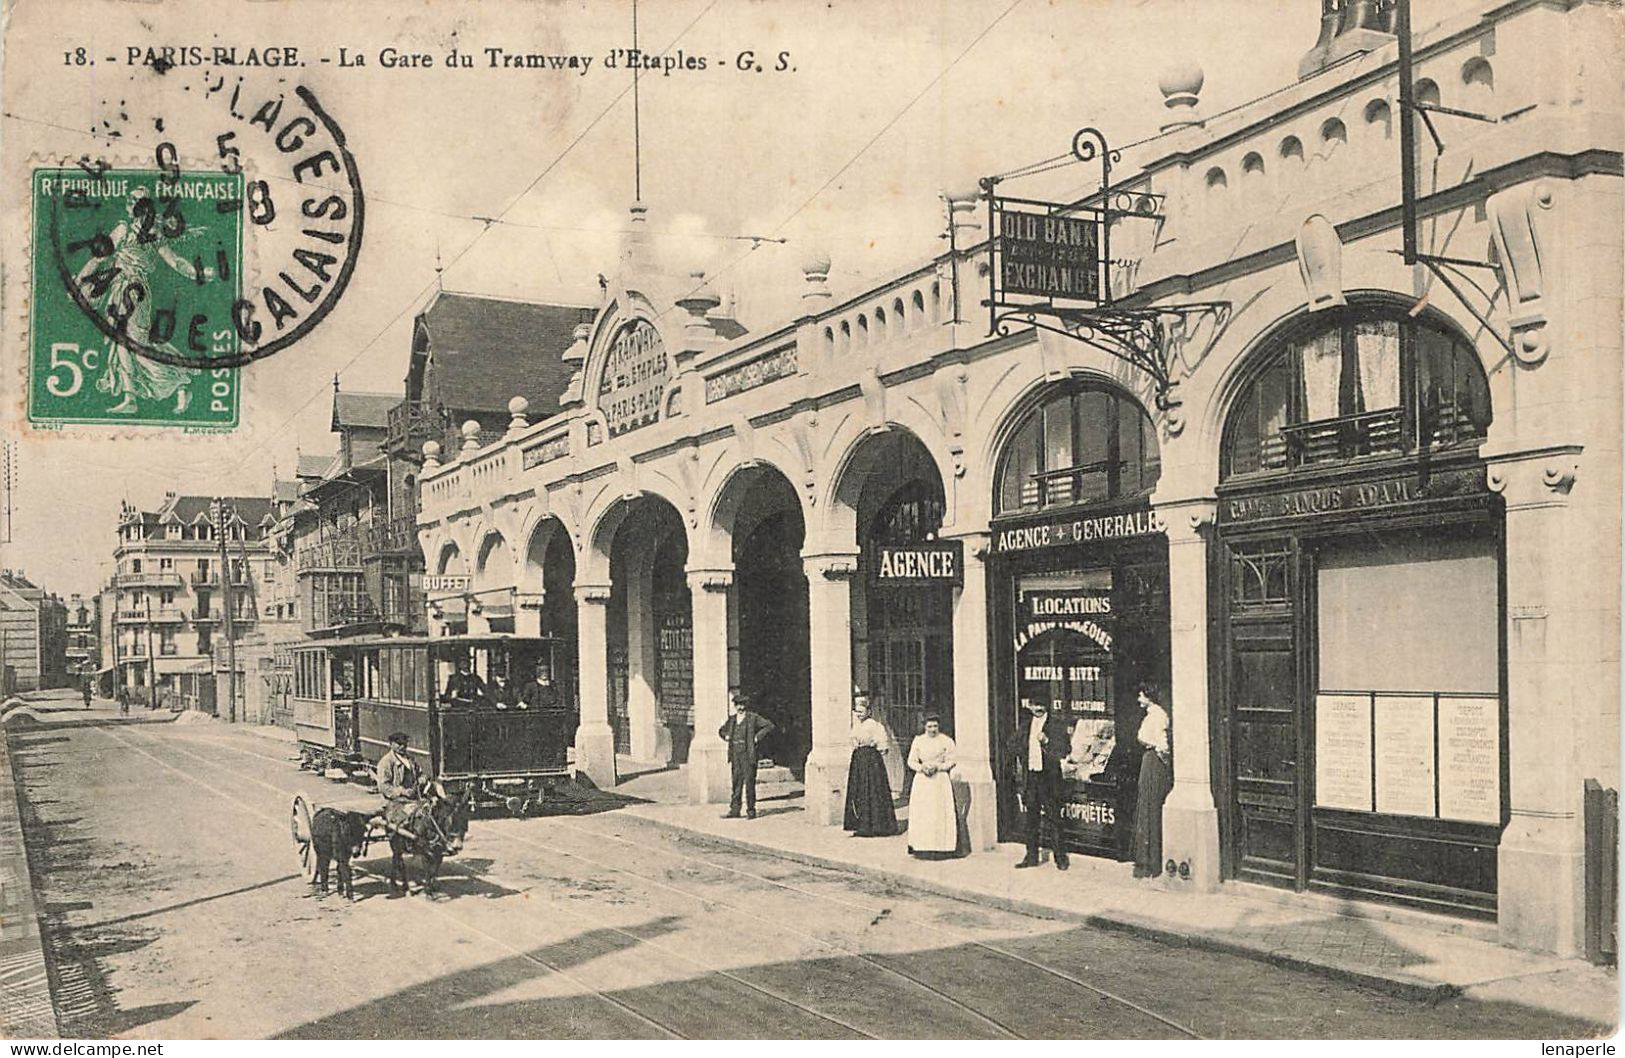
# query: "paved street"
[[174, 908]]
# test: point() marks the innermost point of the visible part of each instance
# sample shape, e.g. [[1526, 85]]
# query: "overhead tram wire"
[[512, 202], [1000, 17]]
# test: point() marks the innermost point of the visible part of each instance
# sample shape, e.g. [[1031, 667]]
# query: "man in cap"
[[743, 731], [398, 781]]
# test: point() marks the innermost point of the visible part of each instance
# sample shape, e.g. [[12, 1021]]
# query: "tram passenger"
[[464, 688], [538, 692], [503, 695]]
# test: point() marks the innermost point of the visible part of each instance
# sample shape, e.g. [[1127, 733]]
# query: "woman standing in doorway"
[[933, 825], [1156, 779], [869, 812]]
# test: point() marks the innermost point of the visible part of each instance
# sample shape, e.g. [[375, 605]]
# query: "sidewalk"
[[1407, 953], [102, 711], [26, 1008]]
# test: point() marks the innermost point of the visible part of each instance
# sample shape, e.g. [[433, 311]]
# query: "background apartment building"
[[33, 636], [176, 567]]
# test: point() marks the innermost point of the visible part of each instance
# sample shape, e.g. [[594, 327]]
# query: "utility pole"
[[152, 657], [221, 511]]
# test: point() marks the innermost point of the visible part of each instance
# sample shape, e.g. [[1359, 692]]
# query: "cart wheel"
[[307, 861], [299, 819]]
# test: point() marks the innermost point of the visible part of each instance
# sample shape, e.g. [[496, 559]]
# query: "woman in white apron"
[[933, 826]]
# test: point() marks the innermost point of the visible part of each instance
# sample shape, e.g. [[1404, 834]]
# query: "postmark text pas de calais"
[[130, 260]]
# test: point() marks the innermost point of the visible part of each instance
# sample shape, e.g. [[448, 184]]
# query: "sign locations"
[[1049, 255], [633, 383], [446, 582]]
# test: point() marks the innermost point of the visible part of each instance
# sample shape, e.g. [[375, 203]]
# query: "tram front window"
[[344, 673], [465, 688]]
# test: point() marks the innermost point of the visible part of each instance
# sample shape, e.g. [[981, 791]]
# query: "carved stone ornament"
[[594, 593], [1514, 221], [950, 390], [711, 579], [835, 567], [1320, 263]]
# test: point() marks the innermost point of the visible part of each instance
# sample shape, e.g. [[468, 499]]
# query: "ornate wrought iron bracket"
[[1140, 337]]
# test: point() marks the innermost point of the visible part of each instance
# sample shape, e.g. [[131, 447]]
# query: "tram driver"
[[464, 688]]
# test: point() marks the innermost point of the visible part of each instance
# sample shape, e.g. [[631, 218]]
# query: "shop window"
[[1370, 384], [1084, 445]]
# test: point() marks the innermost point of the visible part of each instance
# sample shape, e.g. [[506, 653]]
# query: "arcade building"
[[1359, 518]]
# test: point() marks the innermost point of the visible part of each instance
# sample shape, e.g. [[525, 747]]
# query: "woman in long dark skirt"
[[1156, 779], [869, 812]]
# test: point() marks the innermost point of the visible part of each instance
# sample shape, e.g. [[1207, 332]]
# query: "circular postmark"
[[235, 243]]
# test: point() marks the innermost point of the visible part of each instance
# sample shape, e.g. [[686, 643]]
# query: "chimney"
[[1348, 28]]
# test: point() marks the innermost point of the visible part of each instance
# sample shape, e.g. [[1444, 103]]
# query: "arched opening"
[[1333, 134], [491, 602], [550, 565], [1357, 592], [1379, 119], [902, 626], [768, 647], [1081, 599], [1291, 152], [448, 602], [649, 639]]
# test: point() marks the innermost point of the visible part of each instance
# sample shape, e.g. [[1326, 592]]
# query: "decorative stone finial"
[[699, 301], [577, 353], [815, 265], [471, 437], [516, 410], [962, 213], [431, 455], [1181, 88]]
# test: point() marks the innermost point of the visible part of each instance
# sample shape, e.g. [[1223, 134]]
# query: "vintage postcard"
[[728, 519]]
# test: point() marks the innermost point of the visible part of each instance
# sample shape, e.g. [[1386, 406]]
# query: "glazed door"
[[1264, 715]]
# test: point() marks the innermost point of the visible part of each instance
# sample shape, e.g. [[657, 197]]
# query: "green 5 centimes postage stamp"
[[157, 255]]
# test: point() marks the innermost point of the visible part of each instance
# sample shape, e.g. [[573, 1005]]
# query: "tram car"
[[494, 713]]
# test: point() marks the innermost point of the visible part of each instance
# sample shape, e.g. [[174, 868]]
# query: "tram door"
[[1266, 728]]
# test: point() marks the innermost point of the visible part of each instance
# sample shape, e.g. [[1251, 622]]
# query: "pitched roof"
[[362, 409], [251, 509], [311, 465], [284, 491], [487, 351]]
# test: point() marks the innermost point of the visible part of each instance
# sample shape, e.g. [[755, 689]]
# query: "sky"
[[883, 106]]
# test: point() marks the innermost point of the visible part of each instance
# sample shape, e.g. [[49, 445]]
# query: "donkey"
[[433, 830], [337, 835]]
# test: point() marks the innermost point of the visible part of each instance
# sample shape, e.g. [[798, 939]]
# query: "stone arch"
[[449, 560], [834, 491], [721, 509], [1243, 364], [493, 566]]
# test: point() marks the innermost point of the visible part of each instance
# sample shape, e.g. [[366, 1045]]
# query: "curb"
[[27, 1006], [57, 725], [1403, 987]]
